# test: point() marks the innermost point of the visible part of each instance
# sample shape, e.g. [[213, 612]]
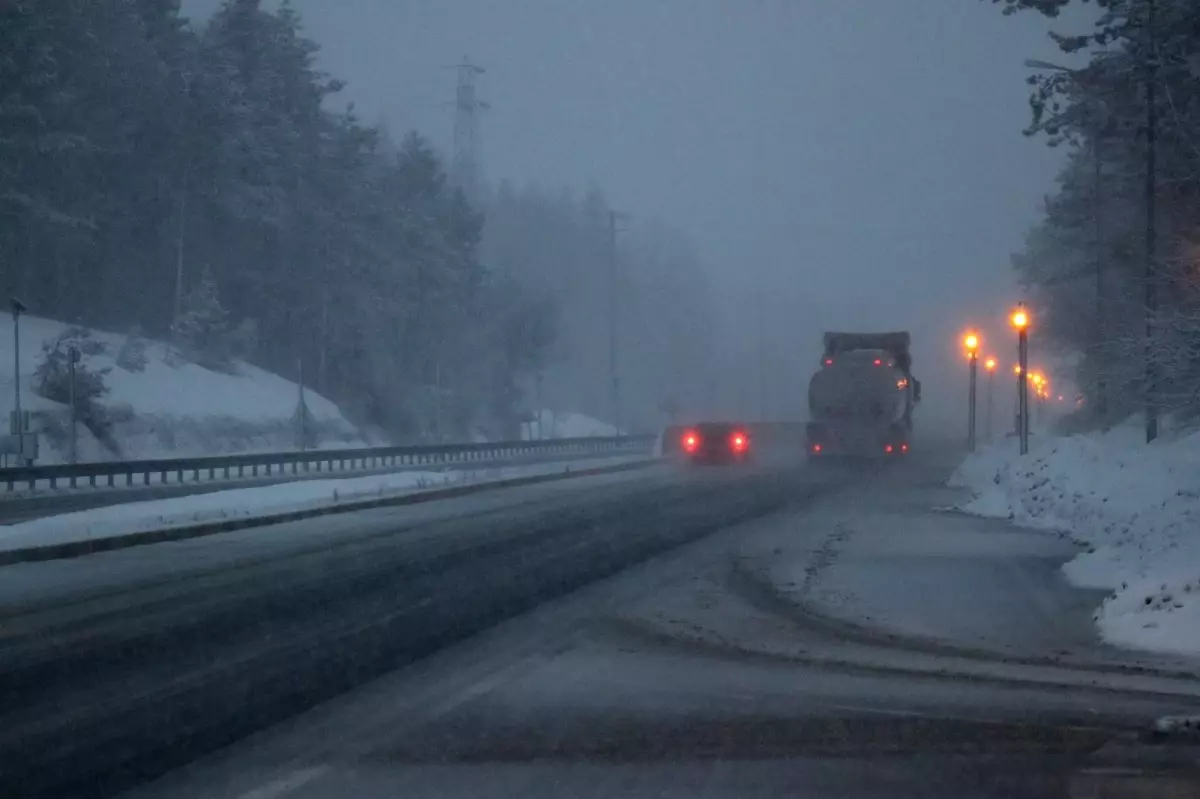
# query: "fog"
[[856, 164]]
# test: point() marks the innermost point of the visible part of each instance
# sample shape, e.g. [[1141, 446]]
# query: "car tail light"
[[739, 442], [889, 449], [904, 447], [690, 441], [878, 362], [829, 361], [816, 448]]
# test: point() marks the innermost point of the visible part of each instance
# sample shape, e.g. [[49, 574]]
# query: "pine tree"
[[203, 326]]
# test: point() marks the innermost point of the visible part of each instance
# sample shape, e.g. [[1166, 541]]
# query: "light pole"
[[990, 367], [1020, 321], [971, 343]]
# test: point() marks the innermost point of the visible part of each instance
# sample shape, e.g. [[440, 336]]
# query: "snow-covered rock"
[[1136, 509]]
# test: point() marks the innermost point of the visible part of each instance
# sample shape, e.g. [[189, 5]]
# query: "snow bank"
[[176, 410], [1135, 507], [134, 517], [565, 425]]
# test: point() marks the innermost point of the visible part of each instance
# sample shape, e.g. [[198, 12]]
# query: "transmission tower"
[[465, 164]]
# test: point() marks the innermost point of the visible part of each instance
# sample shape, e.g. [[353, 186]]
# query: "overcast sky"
[[862, 158]]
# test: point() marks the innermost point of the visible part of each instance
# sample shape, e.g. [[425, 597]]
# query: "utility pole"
[[72, 359], [181, 225], [465, 160], [301, 408], [1097, 218], [613, 371], [762, 357], [18, 425], [1151, 377]]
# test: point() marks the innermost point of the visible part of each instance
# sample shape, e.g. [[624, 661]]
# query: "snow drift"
[[1133, 506]]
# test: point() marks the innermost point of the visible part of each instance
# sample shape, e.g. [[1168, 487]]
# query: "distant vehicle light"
[[889, 449], [904, 447], [878, 362], [691, 441], [829, 361], [816, 448], [739, 442]]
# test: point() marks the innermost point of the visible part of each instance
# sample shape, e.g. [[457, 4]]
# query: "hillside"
[[176, 409]]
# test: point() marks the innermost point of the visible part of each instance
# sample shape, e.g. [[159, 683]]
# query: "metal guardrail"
[[232, 467]]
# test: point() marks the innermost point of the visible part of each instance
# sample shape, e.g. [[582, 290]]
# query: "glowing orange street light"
[[1016, 368], [971, 343], [990, 364], [1019, 319]]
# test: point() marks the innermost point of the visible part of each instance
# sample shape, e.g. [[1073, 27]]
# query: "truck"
[[862, 396]]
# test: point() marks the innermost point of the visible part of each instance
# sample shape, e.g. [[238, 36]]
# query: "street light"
[[990, 366], [971, 344], [1020, 322]]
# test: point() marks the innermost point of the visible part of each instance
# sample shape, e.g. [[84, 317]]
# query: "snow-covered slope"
[[1136, 508], [169, 410], [566, 425]]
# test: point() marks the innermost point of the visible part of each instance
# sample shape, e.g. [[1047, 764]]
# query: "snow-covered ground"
[[170, 410], [237, 503], [1136, 509], [564, 424]]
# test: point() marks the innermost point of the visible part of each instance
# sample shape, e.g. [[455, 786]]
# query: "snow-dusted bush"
[[132, 355]]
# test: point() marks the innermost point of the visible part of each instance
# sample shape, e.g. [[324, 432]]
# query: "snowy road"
[[630, 643]]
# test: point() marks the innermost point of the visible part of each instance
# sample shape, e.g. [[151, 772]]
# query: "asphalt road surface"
[[585, 641], [105, 692]]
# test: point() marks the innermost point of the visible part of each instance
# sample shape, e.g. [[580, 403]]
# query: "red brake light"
[[816, 447], [888, 449], [878, 362], [829, 361], [690, 441], [739, 442], [904, 447]]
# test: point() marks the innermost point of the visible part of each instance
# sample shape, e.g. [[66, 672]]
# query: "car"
[[715, 442]]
